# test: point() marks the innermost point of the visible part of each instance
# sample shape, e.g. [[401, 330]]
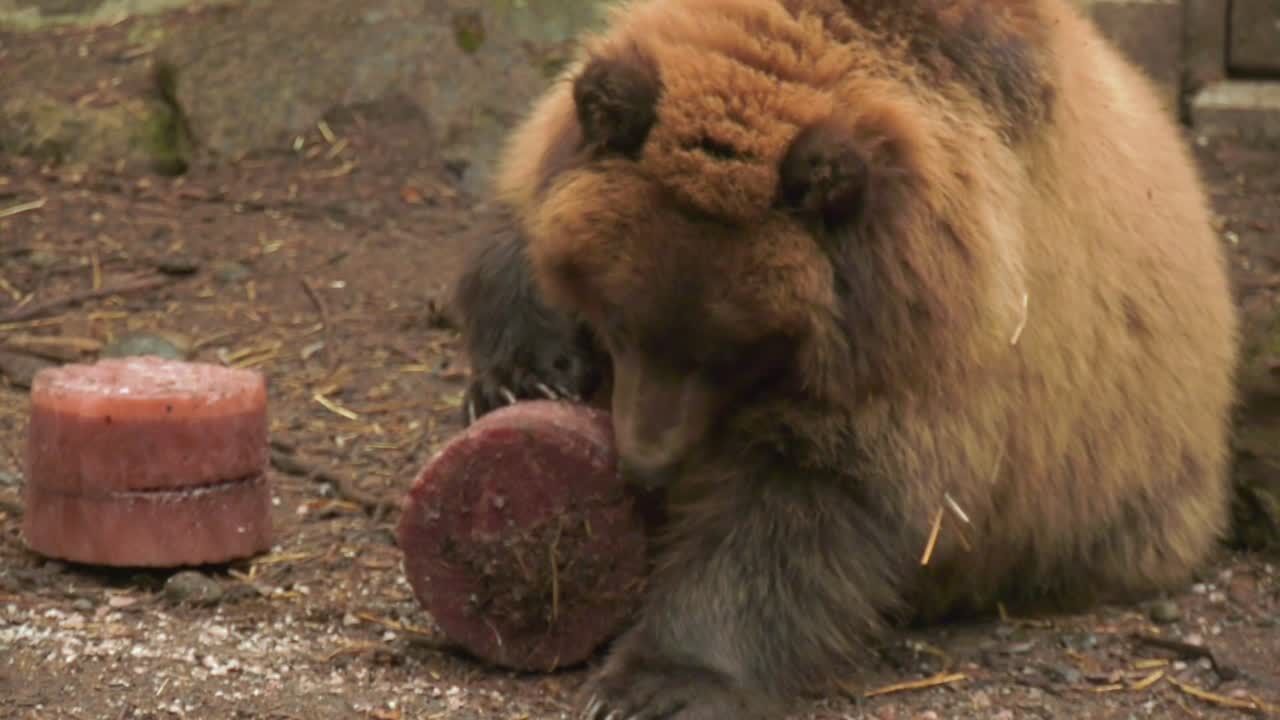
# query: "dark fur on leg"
[[519, 348], [769, 588]]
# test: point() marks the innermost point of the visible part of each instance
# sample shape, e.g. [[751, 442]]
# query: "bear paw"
[[645, 691]]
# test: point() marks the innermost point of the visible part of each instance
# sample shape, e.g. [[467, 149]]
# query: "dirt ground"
[[326, 265]]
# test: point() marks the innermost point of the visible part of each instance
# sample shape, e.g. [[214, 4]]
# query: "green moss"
[[161, 139], [468, 31]]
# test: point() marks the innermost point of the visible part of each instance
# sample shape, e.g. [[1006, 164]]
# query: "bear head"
[[748, 222]]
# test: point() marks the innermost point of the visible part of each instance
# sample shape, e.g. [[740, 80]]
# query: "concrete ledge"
[[1238, 108]]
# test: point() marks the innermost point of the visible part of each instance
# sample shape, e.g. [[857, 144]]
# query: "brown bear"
[[911, 306]]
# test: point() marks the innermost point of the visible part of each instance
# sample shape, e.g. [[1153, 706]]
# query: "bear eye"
[[715, 148]]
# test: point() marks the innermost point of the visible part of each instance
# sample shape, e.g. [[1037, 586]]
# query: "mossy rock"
[[34, 15], [141, 132], [251, 78]]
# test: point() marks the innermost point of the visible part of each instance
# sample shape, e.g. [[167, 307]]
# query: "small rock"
[[192, 587], [20, 369], [42, 259], [1164, 612], [1065, 674], [1080, 641], [178, 265], [1003, 715], [8, 479], [228, 273], [82, 605], [980, 700], [170, 346]]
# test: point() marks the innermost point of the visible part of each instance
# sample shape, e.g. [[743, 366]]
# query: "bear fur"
[[912, 307]]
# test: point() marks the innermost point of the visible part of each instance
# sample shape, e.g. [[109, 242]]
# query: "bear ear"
[[616, 100], [826, 173]]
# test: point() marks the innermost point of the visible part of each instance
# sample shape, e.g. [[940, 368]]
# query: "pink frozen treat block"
[[521, 540], [165, 528], [145, 423], [147, 461]]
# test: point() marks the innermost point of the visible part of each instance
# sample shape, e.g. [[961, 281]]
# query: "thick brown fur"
[[927, 254]]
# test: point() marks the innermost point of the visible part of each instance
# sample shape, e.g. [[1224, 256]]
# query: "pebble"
[[170, 346], [21, 368], [178, 265], [192, 587], [230, 272], [42, 259], [82, 605], [1082, 641], [1065, 674], [1164, 612]]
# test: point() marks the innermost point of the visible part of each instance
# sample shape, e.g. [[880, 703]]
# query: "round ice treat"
[[145, 423], [160, 528], [521, 539], [147, 461]]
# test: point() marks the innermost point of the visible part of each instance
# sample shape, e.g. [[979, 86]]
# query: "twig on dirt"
[[1252, 705], [54, 347], [922, 684], [36, 309], [24, 207], [8, 287], [334, 407], [1187, 651], [422, 636], [342, 485], [360, 648], [326, 132], [1147, 681], [325, 322]]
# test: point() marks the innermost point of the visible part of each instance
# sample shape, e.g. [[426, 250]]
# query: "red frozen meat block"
[[145, 423], [165, 528], [145, 461], [521, 540]]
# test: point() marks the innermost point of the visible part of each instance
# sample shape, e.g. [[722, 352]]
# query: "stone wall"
[[1216, 62]]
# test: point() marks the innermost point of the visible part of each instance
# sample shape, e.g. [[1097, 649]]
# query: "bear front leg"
[[519, 348], [767, 589]]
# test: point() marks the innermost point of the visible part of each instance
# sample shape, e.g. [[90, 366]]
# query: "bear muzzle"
[[658, 419]]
